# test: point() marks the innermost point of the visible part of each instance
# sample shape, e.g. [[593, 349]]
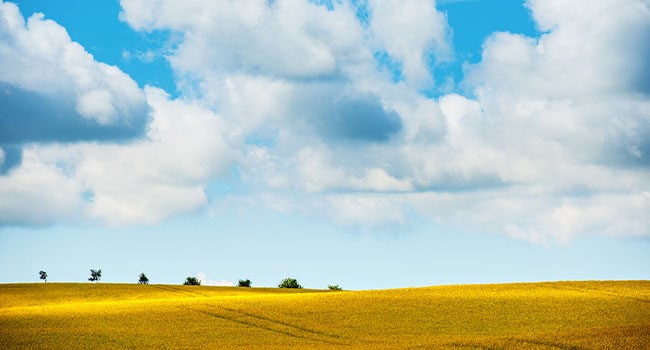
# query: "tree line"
[[96, 276]]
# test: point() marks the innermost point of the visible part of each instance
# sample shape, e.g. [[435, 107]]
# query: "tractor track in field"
[[513, 343], [269, 324], [281, 323], [547, 344]]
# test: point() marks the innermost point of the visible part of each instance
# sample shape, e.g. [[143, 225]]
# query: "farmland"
[[554, 315]]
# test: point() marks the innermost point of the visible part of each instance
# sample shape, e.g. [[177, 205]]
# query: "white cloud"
[[409, 31], [38, 193], [558, 120], [205, 281], [97, 104], [145, 181], [552, 143], [578, 57], [288, 38], [363, 210], [39, 56], [253, 102], [297, 43], [162, 175], [316, 174]]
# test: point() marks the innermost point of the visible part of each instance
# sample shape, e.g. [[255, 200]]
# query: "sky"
[[366, 143]]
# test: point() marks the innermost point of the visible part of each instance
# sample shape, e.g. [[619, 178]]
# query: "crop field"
[[554, 315]]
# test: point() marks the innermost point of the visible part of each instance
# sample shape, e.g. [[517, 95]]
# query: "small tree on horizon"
[[95, 275], [143, 279], [43, 275], [192, 281], [289, 283], [244, 283], [334, 287]]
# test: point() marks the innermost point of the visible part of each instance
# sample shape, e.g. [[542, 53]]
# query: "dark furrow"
[[267, 328], [303, 329]]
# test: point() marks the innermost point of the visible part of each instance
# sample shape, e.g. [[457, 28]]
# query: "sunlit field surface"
[[562, 315]]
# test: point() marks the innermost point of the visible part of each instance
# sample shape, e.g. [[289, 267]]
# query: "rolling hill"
[[553, 315]]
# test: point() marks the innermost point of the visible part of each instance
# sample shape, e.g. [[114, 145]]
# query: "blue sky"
[[370, 144]]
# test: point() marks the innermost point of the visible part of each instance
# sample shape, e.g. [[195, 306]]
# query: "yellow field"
[[562, 315]]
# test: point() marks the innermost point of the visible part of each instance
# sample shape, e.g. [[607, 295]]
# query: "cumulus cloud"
[[549, 142], [307, 46], [552, 138], [38, 193], [558, 120], [289, 38], [316, 83], [412, 32], [145, 181], [51, 89], [162, 175], [316, 173], [58, 101], [577, 56], [552, 144], [205, 281]]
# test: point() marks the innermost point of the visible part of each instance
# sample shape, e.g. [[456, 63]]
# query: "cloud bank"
[[319, 106]]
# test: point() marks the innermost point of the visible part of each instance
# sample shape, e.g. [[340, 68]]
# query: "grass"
[[558, 315]]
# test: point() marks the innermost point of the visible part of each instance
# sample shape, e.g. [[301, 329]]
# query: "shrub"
[[289, 283], [244, 283], [143, 279], [334, 287], [192, 281]]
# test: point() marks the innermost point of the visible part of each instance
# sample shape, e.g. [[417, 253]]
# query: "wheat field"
[[554, 315]]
